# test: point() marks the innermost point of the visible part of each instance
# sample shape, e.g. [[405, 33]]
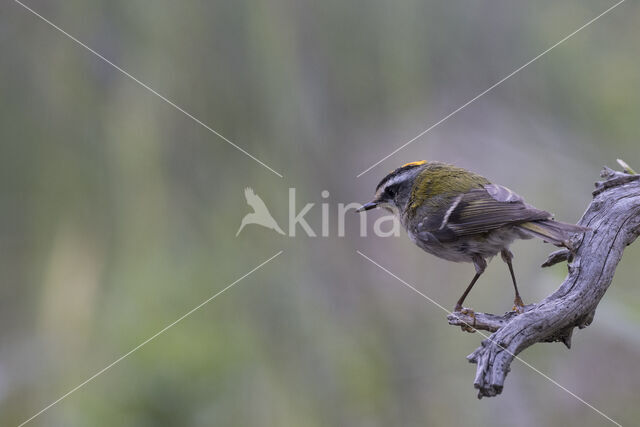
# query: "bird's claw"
[[518, 305], [467, 312], [518, 309]]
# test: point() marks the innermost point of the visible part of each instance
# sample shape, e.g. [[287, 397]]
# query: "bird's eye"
[[391, 190]]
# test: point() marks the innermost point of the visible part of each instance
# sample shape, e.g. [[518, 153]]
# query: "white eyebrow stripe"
[[396, 179]]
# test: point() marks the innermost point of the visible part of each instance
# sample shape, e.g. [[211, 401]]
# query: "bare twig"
[[556, 257]]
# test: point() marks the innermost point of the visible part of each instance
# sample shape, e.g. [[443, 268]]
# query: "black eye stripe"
[[392, 189]]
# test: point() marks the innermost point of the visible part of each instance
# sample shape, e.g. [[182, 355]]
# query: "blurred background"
[[118, 213]]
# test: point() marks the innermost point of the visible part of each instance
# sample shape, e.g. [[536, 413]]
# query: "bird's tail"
[[552, 231]]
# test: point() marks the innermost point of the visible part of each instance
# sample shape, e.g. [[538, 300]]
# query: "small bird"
[[460, 216], [260, 214]]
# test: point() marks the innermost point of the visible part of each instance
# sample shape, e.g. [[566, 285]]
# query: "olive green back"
[[438, 181]]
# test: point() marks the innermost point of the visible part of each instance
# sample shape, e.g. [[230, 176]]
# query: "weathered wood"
[[556, 257], [613, 219]]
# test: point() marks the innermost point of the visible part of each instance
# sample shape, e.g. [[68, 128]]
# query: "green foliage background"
[[118, 214]]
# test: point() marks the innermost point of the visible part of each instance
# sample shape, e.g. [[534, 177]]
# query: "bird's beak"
[[367, 206]]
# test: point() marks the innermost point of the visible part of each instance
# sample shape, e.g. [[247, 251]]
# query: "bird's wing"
[[483, 210]]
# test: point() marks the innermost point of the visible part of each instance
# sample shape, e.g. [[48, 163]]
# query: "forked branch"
[[613, 217]]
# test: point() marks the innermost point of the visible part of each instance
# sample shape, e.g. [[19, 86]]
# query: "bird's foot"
[[466, 327], [518, 305]]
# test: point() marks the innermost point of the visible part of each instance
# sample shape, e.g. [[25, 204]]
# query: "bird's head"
[[394, 190]]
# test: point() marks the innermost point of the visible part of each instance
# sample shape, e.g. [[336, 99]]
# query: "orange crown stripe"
[[418, 163]]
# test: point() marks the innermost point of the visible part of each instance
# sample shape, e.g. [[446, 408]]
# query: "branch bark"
[[613, 217]]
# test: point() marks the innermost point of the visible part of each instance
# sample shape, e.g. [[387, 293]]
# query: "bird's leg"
[[518, 305], [466, 292], [480, 265]]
